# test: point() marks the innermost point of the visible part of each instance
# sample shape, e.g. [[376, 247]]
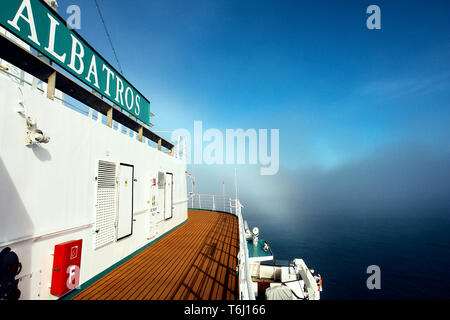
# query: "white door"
[[168, 196], [125, 201]]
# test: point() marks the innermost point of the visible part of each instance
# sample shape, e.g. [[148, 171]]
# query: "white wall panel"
[[52, 187]]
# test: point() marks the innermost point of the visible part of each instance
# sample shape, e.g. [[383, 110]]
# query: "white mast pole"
[[223, 187], [236, 188]]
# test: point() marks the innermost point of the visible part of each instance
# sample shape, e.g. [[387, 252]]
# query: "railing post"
[[214, 204], [199, 202], [109, 118], [99, 117], [51, 86], [141, 133]]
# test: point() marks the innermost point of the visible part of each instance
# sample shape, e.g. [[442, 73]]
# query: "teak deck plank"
[[196, 261]]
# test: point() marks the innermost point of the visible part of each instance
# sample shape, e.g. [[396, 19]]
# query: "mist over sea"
[[390, 209]]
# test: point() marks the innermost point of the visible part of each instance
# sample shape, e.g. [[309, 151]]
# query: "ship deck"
[[196, 261]]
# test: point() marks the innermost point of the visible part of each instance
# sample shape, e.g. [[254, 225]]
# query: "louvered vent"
[[106, 204]]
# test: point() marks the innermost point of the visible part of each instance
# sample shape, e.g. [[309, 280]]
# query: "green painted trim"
[[218, 211], [258, 251], [88, 283]]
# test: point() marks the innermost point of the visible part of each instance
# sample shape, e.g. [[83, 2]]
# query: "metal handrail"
[[212, 202], [245, 278], [226, 204]]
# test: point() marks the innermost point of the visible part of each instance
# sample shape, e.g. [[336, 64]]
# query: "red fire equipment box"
[[66, 267]]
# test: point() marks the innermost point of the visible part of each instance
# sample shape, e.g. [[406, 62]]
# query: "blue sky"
[[337, 91]]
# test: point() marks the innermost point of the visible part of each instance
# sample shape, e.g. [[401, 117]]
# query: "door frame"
[[132, 202], [171, 197]]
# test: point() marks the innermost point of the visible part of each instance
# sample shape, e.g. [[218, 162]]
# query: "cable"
[[108, 35]]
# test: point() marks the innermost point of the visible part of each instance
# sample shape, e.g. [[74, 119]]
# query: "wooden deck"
[[196, 261]]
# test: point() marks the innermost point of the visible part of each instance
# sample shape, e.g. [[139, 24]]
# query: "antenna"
[[193, 180], [235, 184], [223, 186], [108, 36]]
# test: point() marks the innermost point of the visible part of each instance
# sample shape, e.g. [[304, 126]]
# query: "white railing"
[[233, 206], [212, 202]]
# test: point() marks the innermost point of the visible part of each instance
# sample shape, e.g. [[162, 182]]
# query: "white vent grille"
[[106, 204]]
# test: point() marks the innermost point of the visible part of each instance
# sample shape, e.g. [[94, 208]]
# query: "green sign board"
[[43, 29]]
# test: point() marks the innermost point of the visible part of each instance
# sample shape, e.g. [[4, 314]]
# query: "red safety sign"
[[66, 267]]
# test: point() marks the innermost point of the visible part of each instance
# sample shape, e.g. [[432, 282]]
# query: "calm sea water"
[[411, 248]]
